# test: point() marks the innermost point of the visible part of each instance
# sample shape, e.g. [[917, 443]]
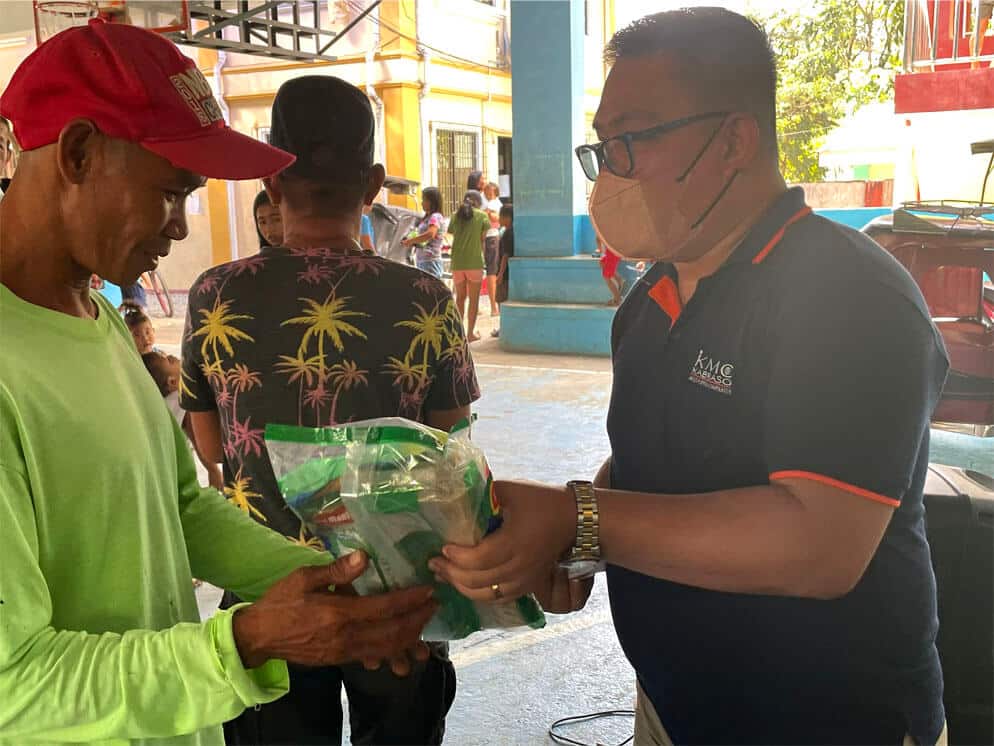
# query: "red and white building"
[[945, 97]]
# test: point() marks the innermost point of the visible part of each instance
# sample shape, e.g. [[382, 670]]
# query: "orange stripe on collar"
[[667, 297], [778, 236]]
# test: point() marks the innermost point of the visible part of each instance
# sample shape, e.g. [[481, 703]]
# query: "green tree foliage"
[[833, 56]]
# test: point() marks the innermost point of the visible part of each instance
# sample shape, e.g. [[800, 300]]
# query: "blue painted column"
[[547, 38], [558, 300]]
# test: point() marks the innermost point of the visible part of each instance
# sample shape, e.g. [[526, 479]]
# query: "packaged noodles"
[[399, 491]]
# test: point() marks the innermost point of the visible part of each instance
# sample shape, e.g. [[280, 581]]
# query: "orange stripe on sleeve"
[[851, 488], [667, 297]]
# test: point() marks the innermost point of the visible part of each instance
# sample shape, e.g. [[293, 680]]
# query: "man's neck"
[[33, 267], [692, 271], [320, 233]]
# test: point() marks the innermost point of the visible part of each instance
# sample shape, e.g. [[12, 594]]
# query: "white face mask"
[[636, 227]]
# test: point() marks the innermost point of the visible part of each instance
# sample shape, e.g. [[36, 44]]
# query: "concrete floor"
[[546, 425]]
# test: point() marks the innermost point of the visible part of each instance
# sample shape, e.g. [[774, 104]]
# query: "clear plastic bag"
[[400, 491]]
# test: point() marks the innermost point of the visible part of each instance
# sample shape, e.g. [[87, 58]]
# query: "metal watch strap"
[[588, 543]]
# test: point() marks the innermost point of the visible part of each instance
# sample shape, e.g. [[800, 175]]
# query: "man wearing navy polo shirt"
[[774, 374]]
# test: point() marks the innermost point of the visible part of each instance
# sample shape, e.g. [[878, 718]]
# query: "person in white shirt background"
[[491, 252]]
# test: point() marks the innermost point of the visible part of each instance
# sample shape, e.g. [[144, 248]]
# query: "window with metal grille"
[[456, 160]]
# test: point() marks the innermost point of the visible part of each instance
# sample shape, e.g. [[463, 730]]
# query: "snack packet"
[[399, 491]]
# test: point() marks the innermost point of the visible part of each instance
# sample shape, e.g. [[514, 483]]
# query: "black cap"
[[327, 123]]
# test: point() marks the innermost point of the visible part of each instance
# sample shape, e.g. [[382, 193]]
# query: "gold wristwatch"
[[584, 558]]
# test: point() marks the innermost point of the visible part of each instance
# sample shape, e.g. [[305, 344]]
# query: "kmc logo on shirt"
[[712, 373]]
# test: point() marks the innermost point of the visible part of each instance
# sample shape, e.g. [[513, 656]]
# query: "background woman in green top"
[[469, 228]]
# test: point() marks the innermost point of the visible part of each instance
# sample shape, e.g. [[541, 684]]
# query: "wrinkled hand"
[[301, 621], [539, 528]]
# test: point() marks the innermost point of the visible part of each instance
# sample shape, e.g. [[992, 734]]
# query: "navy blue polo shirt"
[[809, 354]]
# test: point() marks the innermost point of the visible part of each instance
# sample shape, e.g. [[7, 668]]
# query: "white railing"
[[940, 33]]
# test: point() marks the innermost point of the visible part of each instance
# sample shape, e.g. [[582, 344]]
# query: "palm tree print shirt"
[[315, 337]]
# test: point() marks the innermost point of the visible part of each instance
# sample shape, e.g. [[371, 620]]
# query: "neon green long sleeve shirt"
[[102, 525]]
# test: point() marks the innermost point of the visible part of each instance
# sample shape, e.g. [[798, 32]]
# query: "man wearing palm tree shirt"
[[318, 332]]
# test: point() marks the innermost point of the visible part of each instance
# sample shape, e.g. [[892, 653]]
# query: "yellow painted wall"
[[398, 28], [403, 132], [220, 232]]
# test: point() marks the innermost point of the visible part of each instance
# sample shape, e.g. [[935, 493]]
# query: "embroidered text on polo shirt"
[[712, 373]]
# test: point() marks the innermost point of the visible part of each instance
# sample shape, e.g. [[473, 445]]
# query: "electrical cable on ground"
[[558, 738]]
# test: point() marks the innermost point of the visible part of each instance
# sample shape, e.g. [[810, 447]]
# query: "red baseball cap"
[[134, 85]]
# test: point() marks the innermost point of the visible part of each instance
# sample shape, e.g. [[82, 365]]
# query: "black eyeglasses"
[[615, 154]]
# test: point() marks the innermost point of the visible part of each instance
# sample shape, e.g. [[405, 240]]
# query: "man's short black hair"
[[725, 59]]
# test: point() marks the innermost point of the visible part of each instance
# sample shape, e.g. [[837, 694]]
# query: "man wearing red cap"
[[103, 522]]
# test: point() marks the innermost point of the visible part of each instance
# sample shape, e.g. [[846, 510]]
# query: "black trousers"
[[384, 709]]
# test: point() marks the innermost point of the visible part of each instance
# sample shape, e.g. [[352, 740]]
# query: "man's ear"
[[744, 141], [172, 382], [76, 150], [272, 186], [377, 175]]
